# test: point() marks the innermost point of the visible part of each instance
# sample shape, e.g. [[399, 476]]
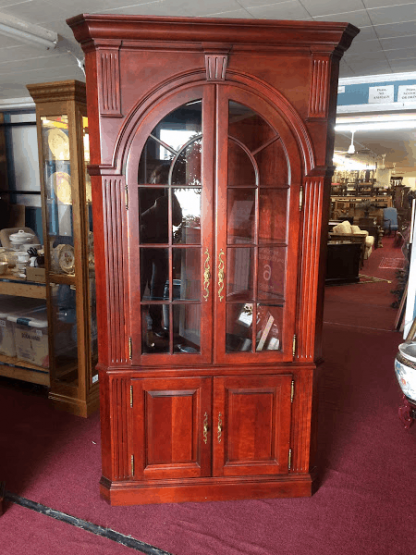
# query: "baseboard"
[[205, 489]]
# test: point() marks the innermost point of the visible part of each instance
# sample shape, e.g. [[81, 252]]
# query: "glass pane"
[[239, 327], [187, 168], [155, 336], [167, 140], [239, 274], [154, 274], [273, 165], [187, 273], [248, 127], [64, 325], [241, 216], [57, 173], [271, 274], [186, 216], [186, 328], [240, 167], [153, 209], [269, 328], [273, 215]]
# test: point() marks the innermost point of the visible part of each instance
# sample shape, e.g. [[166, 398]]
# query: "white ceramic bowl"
[[405, 368], [21, 237]]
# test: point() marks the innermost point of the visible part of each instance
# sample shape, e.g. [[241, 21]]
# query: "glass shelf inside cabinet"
[[58, 189]]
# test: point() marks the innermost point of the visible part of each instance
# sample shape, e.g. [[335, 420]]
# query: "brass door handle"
[[207, 274], [219, 429], [205, 429], [221, 274]]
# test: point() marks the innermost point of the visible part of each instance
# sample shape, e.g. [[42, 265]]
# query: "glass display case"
[[63, 141]]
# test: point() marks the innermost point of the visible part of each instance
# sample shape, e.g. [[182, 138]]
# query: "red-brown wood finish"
[[217, 423]]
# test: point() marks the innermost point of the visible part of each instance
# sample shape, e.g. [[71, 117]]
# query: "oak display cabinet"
[[211, 153], [63, 142]]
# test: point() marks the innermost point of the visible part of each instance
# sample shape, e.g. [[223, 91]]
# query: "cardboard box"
[[31, 336], [35, 274], [13, 306]]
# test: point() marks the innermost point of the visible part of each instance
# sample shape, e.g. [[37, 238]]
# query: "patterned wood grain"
[[120, 405], [301, 423]]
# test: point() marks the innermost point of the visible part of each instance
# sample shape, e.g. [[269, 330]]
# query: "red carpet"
[[364, 504]]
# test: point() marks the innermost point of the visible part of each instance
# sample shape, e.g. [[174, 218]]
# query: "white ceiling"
[[386, 44]]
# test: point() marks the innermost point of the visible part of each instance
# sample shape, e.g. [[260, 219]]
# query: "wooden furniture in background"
[[209, 327], [63, 143], [343, 263]]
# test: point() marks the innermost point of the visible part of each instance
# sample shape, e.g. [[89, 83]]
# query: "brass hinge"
[[132, 465], [301, 198], [289, 465], [292, 391], [294, 346], [127, 197], [131, 396], [130, 348]]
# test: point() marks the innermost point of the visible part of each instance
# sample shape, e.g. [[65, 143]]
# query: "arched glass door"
[[171, 234], [256, 233]]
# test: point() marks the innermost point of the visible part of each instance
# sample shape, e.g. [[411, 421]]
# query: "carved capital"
[[319, 93], [109, 79], [216, 65]]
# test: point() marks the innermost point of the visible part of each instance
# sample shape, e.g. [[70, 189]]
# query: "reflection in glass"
[[154, 274], [269, 328], [64, 324], [187, 270], [271, 274], [239, 327], [241, 214], [189, 228], [272, 162], [240, 166], [187, 328], [187, 167], [248, 127], [166, 141], [239, 274], [153, 208], [154, 339], [273, 215]]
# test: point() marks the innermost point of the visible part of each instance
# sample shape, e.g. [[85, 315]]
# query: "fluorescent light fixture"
[[379, 126], [27, 32]]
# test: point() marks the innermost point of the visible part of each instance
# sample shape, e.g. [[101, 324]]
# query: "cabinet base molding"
[[78, 407], [223, 489]]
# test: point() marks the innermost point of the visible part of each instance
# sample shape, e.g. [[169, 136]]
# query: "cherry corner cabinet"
[[211, 147]]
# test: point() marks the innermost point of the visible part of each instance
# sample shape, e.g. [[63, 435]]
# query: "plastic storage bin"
[[13, 306], [31, 336]]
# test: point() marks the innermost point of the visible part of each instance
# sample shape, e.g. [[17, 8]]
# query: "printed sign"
[[407, 93], [381, 95]]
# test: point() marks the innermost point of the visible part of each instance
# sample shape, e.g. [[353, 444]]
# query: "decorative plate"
[[58, 142], [61, 182]]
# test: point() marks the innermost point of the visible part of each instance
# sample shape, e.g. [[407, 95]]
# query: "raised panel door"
[[251, 425], [171, 427]]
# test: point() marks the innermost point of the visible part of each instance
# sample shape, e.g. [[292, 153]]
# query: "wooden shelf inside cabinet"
[[13, 367], [10, 285]]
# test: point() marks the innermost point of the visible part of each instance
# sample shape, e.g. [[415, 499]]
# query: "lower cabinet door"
[[171, 427], [251, 425]]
